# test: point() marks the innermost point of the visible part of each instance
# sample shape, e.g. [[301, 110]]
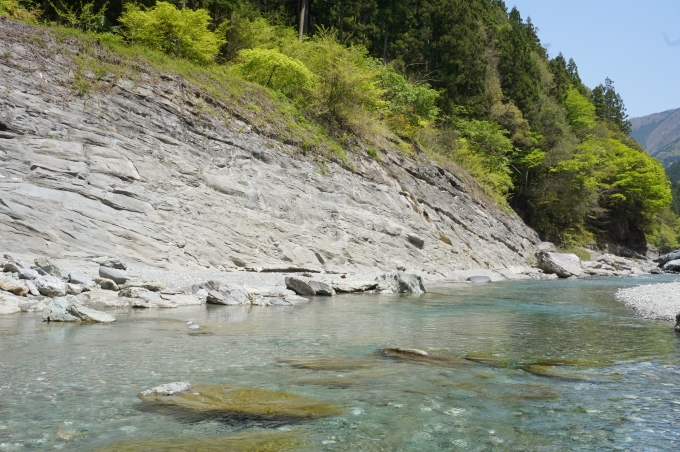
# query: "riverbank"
[[654, 301], [148, 286]]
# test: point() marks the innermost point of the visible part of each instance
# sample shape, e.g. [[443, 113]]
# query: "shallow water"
[[74, 387]]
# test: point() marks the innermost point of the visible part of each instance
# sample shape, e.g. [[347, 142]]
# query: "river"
[[74, 387]]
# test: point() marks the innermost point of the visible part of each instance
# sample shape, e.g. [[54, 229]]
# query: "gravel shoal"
[[654, 301]]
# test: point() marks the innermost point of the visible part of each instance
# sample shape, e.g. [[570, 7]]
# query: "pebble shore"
[[654, 301]]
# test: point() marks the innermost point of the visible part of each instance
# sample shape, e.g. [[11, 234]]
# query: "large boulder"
[[677, 323], [106, 284], [117, 276], [672, 266], [51, 286], [57, 310], [663, 260], [15, 264], [47, 266], [154, 286], [61, 310], [226, 294], [321, 288], [562, 264], [90, 315], [400, 282], [16, 289], [79, 278], [9, 304], [344, 286], [300, 286], [27, 273]]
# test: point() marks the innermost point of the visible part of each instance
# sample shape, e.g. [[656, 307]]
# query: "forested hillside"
[[466, 81], [659, 133]]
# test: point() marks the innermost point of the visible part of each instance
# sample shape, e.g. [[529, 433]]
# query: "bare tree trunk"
[[385, 44], [304, 17], [342, 18]]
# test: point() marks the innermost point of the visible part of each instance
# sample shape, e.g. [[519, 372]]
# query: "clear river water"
[[74, 387]]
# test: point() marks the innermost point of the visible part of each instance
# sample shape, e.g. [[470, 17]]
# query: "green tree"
[[580, 111], [609, 106], [520, 77]]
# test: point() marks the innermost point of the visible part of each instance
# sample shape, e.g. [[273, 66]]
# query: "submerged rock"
[[566, 363], [677, 323], [562, 264], [227, 402], [422, 356], [556, 372], [242, 442], [400, 282], [329, 380], [328, 363], [489, 360]]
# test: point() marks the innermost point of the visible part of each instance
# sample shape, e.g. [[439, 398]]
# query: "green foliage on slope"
[[466, 80]]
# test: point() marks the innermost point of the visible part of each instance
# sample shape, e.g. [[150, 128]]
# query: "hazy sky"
[[622, 40]]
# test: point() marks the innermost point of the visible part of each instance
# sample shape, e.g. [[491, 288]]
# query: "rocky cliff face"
[[141, 173]]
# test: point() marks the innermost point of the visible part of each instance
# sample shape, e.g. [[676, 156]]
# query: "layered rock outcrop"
[[143, 172]]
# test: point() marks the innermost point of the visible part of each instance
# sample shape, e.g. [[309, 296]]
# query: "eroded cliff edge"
[[143, 172]]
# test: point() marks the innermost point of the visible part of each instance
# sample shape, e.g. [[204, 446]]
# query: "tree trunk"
[[304, 17], [385, 44], [342, 19]]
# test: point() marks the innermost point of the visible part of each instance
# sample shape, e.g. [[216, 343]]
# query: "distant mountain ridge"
[[659, 133]]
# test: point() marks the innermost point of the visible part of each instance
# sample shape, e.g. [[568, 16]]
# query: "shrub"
[[16, 11], [183, 33], [271, 68], [348, 90]]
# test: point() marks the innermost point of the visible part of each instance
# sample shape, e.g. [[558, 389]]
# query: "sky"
[[622, 40]]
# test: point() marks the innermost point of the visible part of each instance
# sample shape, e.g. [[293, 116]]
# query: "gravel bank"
[[654, 301]]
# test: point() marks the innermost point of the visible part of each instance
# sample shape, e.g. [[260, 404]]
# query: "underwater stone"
[[241, 442], [215, 401]]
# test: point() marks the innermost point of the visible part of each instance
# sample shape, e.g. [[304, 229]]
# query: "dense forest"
[[466, 81]]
